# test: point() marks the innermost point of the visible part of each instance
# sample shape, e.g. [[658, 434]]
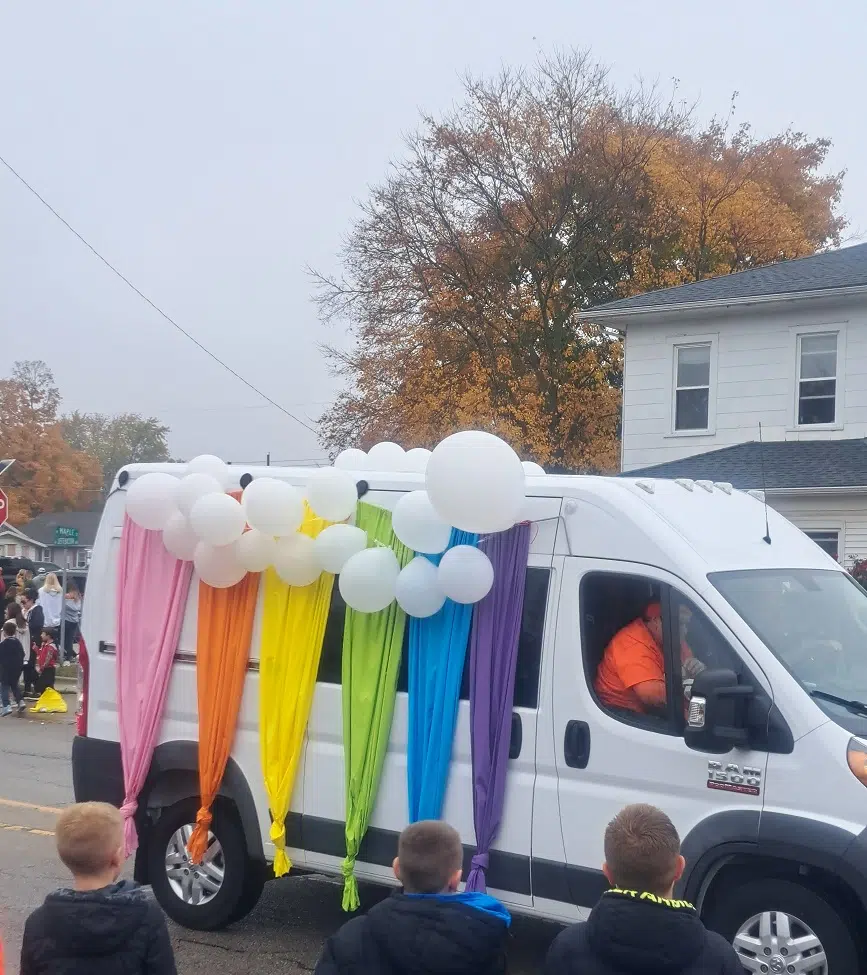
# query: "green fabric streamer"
[[372, 645]]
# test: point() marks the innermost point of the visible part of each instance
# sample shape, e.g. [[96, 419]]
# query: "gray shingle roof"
[[788, 464], [843, 268], [42, 526]]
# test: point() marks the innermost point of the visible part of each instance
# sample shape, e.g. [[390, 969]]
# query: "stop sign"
[[4, 507]]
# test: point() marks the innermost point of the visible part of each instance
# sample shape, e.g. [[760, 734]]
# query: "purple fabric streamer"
[[493, 658]]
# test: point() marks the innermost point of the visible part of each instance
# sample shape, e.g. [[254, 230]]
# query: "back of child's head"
[[10, 628], [89, 836], [642, 850], [429, 855]]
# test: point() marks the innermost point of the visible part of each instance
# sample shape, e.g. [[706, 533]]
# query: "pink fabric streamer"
[[152, 593]]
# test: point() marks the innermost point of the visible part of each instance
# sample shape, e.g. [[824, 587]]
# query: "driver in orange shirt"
[[631, 674]]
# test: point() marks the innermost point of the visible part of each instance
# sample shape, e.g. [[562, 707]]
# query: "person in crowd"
[[11, 665], [11, 594], [72, 619], [100, 924], [23, 580], [638, 926], [429, 928], [47, 659], [35, 623], [51, 600], [22, 631]]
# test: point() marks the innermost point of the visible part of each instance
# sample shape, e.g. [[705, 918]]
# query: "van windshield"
[[815, 622]]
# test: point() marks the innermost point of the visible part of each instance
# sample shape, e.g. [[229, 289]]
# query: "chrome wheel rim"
[[776, 943], [194, 883]]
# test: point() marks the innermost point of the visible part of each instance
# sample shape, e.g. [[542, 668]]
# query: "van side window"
[[529, 644]]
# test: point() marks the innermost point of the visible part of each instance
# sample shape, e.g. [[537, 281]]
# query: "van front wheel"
[[777, 926], [214, 893]]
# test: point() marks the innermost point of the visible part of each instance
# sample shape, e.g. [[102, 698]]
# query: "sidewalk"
[[66, 680]]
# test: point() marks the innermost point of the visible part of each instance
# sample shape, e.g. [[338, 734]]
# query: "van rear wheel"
[[220, 890], [778, 927]]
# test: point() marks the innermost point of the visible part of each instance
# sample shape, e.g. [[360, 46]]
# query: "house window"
[[81, 558], [828, 541], [692, 387], [817, 379]]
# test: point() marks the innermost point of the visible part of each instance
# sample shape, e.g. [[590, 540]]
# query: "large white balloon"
[[351, 459], [256, 551], [337, 544], [532, 469], [416, 459], [150, 500], [418, 526], [368, 580], [476, 482], [332, 494], [465, 574], [179, 538], [218, 565], [295, 560], [195, 486], [386, 456], [217, 519], [272, 506], [417, 590], [209, 464]]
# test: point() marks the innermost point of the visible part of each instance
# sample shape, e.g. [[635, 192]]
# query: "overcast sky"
[[213, 149]]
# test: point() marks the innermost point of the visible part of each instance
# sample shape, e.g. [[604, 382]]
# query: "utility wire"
[[155, 307]]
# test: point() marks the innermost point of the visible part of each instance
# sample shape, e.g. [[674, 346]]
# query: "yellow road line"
[[26, 829], [15, 804]]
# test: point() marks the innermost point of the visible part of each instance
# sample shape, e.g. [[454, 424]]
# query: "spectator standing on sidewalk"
[[35, 623], [638, 926], [72, 619], [47, 659], [11, 665], [51, 600]]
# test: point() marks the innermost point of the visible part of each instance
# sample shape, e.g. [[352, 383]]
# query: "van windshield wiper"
[[855, 707]]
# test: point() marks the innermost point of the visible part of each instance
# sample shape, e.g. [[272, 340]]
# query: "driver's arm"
[[651, 693]]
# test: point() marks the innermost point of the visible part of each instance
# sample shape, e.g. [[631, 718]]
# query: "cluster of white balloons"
[[473, 481]]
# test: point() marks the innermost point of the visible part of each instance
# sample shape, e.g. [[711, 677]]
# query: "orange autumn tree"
[[48, 474], [545, 193]]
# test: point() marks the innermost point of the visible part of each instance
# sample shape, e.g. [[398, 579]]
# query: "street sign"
[[65, 536], [4, 508]]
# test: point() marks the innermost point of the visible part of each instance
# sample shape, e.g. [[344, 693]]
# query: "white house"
[[782, 346], [15, 544]]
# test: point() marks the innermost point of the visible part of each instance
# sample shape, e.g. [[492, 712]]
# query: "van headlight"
[[856, 756]]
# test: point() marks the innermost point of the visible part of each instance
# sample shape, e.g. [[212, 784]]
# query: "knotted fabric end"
[[198, 842], [476, 879], [351, 899], [282, 863]]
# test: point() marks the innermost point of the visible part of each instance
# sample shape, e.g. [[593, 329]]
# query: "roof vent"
[[685, 482], [647, 486], [758, 495], [724, 486], [706, 486]]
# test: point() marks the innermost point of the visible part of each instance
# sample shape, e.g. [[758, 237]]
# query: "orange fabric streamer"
[[225, 627]]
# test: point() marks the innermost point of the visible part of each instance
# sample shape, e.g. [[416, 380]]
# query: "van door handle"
[[576, 744], [516, 738]]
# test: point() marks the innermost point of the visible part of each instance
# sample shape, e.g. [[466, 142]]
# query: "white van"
[[766, 781]]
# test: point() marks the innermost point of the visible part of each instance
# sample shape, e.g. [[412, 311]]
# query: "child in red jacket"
[[47, 657]]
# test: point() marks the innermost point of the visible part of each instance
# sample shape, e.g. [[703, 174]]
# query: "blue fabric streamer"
[[437, 650]]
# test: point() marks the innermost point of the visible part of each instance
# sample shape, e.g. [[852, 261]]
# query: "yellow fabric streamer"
[[293, 627]]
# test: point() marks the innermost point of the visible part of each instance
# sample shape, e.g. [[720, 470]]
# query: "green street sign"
[[65, 536]]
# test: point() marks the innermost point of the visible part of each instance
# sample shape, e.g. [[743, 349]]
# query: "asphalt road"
[[284, 934]]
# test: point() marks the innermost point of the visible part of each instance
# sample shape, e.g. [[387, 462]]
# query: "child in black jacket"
[[430, 928], [101, 925], [11, 665]]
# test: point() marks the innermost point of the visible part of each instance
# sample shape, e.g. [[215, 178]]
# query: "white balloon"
[[217, 519], [417, 590], [272, 506], [337, 544], [150, 500], [476, 482], [351, 459], [465, 574], [295, 560], [386, 456], [179, 538], [218, 565], [532, 469], [416, 459], [195, 486], [332, 494], [209, 464], [418, 526], [368, 580], [256, 551]]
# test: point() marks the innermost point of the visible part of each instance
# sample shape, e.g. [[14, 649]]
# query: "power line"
[[155, 307]]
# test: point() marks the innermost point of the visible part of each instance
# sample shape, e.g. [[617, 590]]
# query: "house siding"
[[755, 378], [830, 512]]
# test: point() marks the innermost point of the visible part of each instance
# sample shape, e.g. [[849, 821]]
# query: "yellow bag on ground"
[[50, 703]]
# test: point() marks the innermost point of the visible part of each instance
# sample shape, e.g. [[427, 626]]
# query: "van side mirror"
[[717, 717]]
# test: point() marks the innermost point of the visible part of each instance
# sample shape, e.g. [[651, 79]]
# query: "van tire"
[[242, 878], [737, 903]]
